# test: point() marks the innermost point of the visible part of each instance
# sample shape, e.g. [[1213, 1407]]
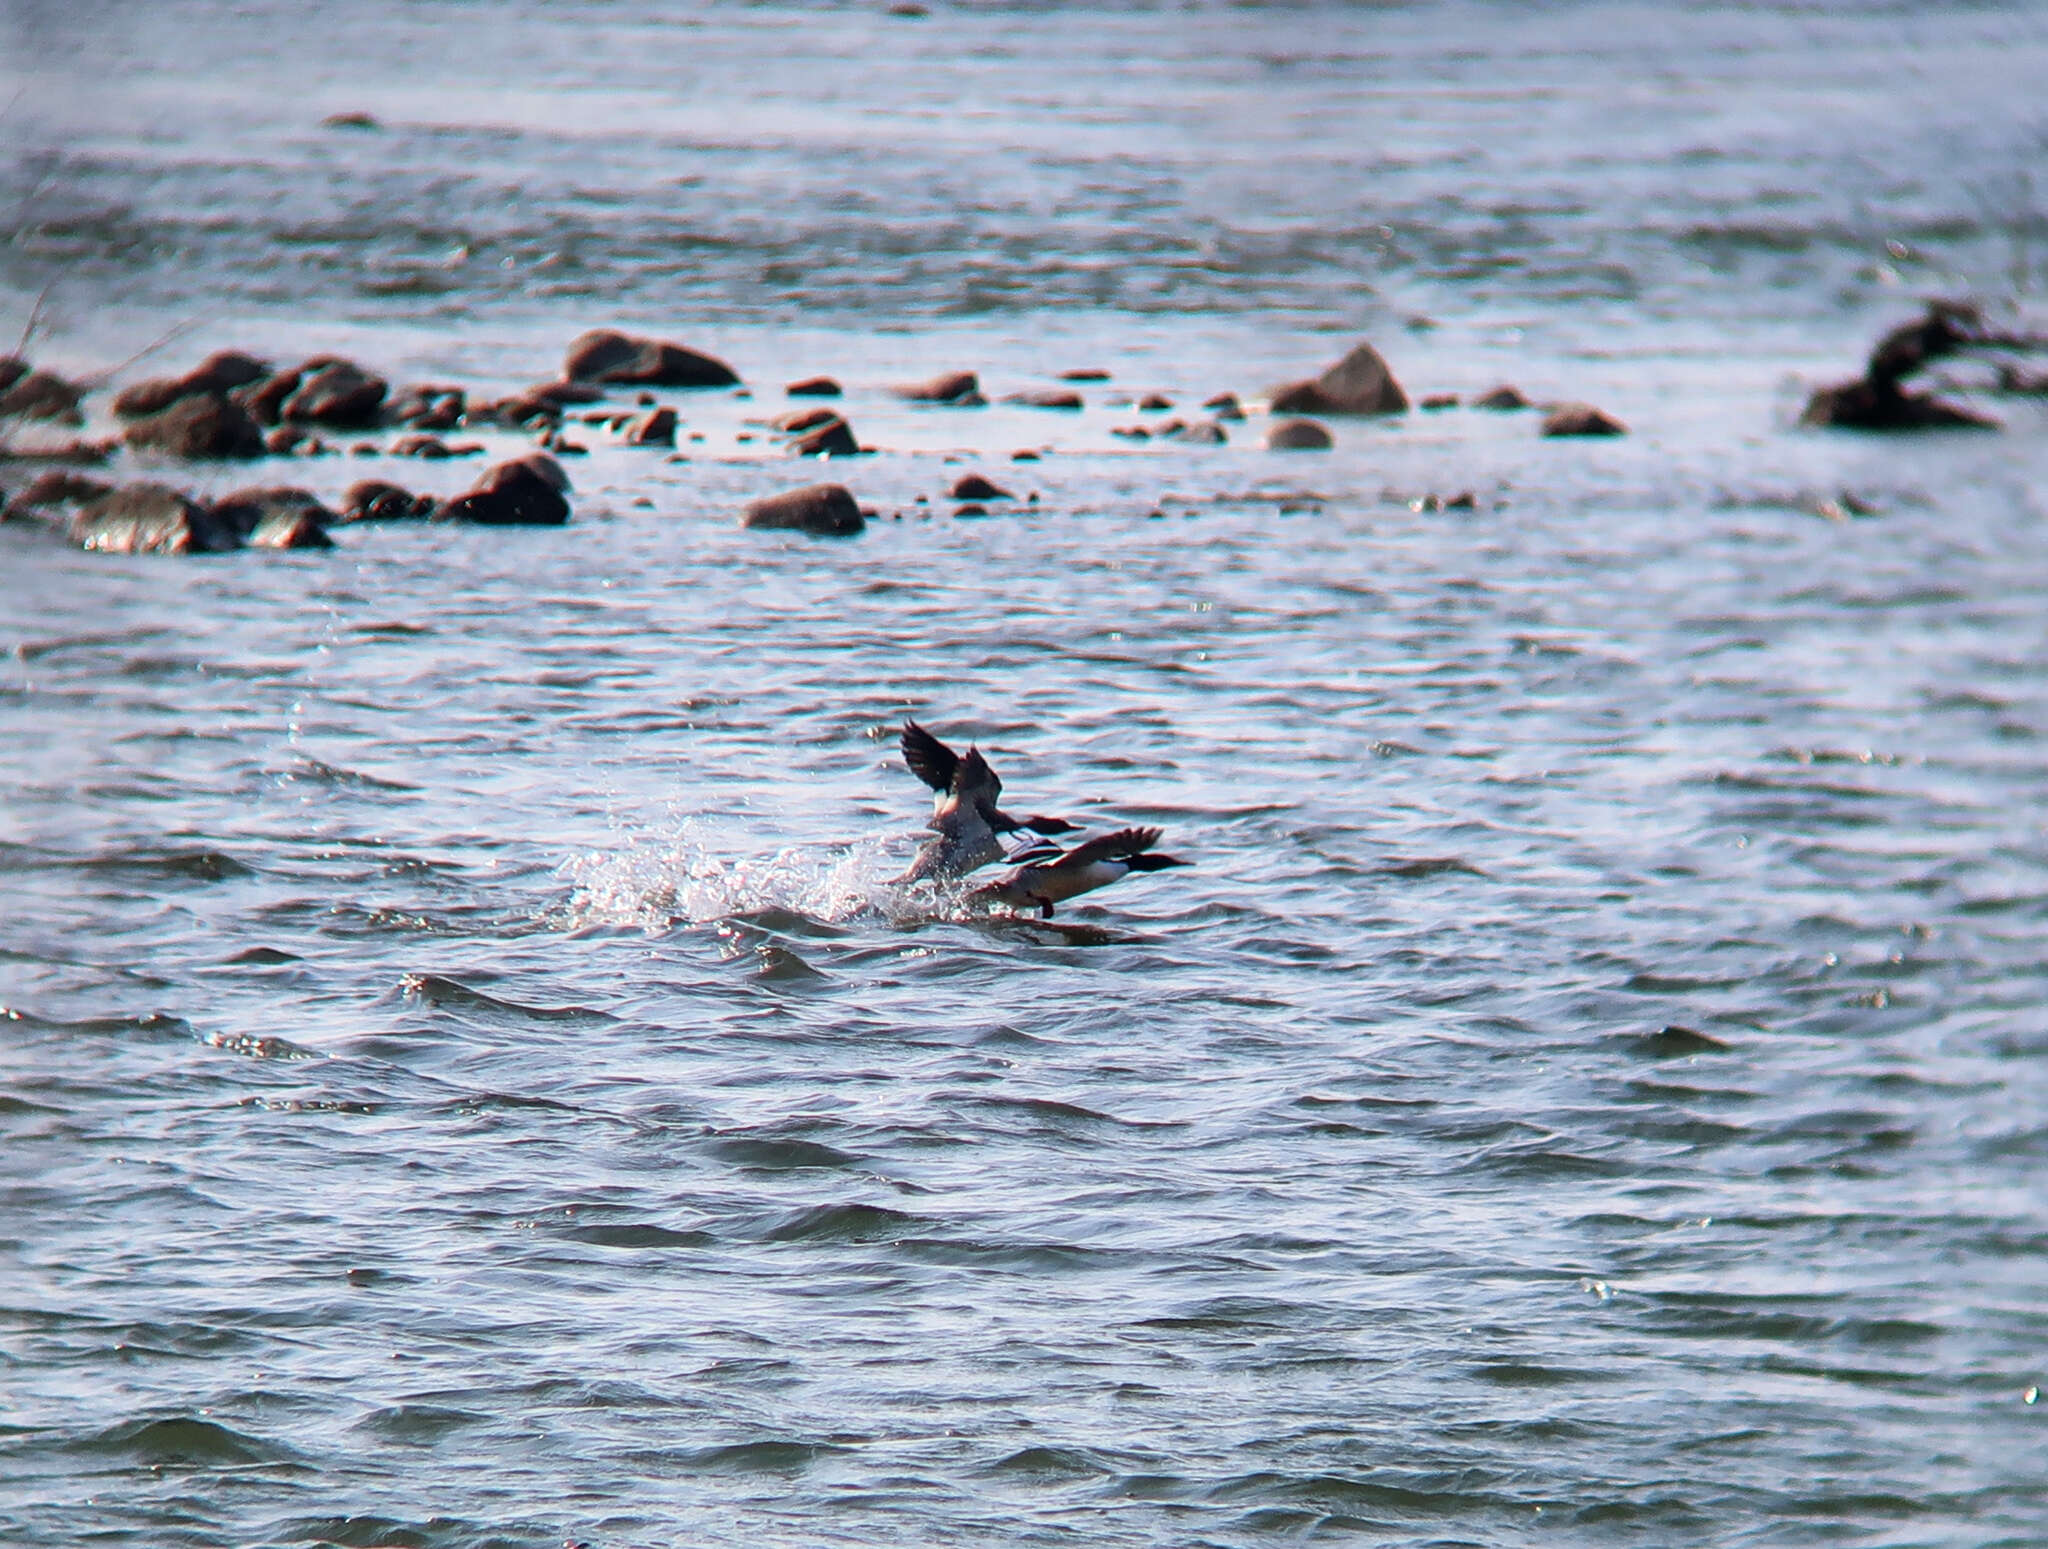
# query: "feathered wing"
[[1121, 845], [973, 779], [929, 759]]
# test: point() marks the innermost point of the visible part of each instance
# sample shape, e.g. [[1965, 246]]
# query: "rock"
[[42, 395], [373, 500], [1581, 419], [1502, 397], [277, 518], [972, 508], [526, 492], [1026, 455], [1086, 374], [651, 427], [336, 393], [1437, 401], [832, 438], [151, 519], [219, 374], [284, 440], [828, 510], [1360, 383], [803, 419], [972, 486], [1154, 402], [1298, 436], [607, 356], [813, 387], [562, 394], [909, 10], [1048, 398], [523, 412], [427, 407], [1224, 406], [420, 446], [1131, 432], [952, 387], [12, 369], [60, 487], [349, 121], [1202, 433], [265, 399], [1885, 405], [208, 426], [2025, 384]]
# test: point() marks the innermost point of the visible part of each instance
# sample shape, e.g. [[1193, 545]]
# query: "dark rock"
[[265, 399], [952, 387], [526, 492], [427, 407], [61, 487], [349, 121], [1131, 432], [813, 387], [972, 508], [419, 446], [219, 374], [151, 519], [2011, 379], [1086, 374], [826, 509], [1024, 456], [562, 394], [1437, 401], [832, 438], [373, 500], [277, 518], [1046, 398], [1298, 436], [284, 440], [1202, 433], [1581, 419], [1502, 397], [651, 427], [1224, 406], [803, 419], [73, 451], [42, 395], [1884, 405], [607, 356], [523, 412], [336, 393], [1154, 402], [1360, 383], [202, 427], [909, 10], [972, 486], [12, 369]]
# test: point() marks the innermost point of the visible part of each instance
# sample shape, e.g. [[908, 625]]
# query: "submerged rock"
[[1298, 436], [41, 395], [803, 419], [604, 355], [972, 486], [650, 427], [1501, 398], [525, 492], [336, 393], [217, 375], [1085, 374], [1224, 406], [952, 387], [427, 406], [813, 387], [278, 517], [1198, 433], [1046, 398], [151, 519], [828, 510], [1360, 383], [828, 438], [203, 427], [60, 487], [1581, 419], [374, 500]]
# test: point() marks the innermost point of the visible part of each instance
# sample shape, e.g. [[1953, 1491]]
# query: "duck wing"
[[974, 780], [929, 759], [1119, 846]]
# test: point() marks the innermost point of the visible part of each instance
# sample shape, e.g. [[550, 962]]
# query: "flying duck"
[[1049, 875], [965, 816]]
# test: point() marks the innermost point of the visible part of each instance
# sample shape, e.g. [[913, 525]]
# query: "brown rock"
[[61, 487], [524, 412], [1153, 402], [952, 387], [526, 492], [42, 395], [813, 387], [373, 500], [832, 438], [1047, 398], [1360, 383], [651, 427], [151, 519], [12, 369], [278, 517], [202, 427], [1501, 397], [562, 394], [828, 510], [607, 356], [419, 446], [803, 419], [1581, 419], [427, 407], [219, 374], [1085, 374], [1224, 406], [1298, 436], [337, 393], [972, 486], [1437, 401], [1201, 433], [265, 399], [1131, 432]]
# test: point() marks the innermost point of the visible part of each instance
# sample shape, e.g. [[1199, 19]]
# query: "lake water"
[[465, 1079]]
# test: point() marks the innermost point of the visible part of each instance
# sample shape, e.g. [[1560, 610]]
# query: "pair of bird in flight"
[[967, 824]]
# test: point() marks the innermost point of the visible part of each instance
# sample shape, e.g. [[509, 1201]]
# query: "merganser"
[[964, 812], [1049, 876]]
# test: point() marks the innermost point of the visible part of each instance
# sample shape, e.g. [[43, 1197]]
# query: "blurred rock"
[[151, 519], [813, 387], [374, 500], [41, 395], [277, 517], [604, 355], [650, 427], [803, 419], [526, 492], [1046, 398], [1501, 398], [952, 387], [1360, 383], [428, 407], [830, 438], [203, 427], [1298, 436], [825, 509], [217, 375], [972, 486], [335, 393], [1581, 419]]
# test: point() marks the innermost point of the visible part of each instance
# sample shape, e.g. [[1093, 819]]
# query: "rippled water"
[[465, 1080]]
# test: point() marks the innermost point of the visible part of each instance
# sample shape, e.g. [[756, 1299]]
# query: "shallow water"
[[466, 1080]]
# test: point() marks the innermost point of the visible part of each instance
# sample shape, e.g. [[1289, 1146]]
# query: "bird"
[[965, 817], [1048, 875]]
